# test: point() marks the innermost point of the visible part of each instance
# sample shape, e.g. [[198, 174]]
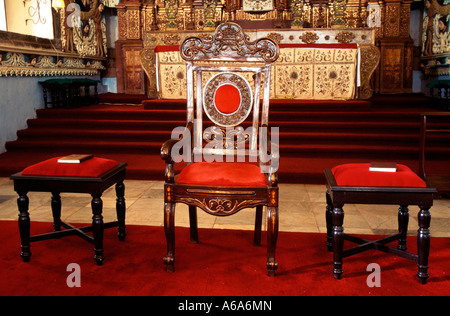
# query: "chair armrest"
[[167, 146]]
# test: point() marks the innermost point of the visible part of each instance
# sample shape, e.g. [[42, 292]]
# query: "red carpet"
[[224, 263]]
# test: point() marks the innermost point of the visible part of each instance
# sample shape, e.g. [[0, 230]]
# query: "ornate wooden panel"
[[130, 75]]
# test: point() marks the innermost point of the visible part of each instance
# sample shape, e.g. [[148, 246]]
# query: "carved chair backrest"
[[227, 71]]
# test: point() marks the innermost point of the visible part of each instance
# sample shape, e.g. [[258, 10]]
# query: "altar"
[[313, 64], [384, 53]]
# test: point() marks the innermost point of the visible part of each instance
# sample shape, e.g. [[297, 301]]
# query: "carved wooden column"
[[130, 75], [395, 73]]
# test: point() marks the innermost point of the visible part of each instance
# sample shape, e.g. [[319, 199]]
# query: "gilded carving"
[[392, 21], [435, 38], [277, 37], [83, 28], [171, 39], [19, 64], [122, 25], [345, 37], [309, 37], [133, 24]]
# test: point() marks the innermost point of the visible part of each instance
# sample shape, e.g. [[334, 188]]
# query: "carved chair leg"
[[258, 224], [423, 244], [338, 240], [169, 230], [193, 224], [272, 236]]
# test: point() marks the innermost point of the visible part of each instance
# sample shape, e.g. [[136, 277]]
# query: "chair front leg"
[[169, 230], [258, 224], [272, 236], [193, 224]]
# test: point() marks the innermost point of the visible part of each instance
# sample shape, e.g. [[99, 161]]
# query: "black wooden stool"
[[93, 176], [355, 184]]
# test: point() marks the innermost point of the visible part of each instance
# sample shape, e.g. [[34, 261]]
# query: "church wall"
[[16, 106], [25, 60], [20, 98]]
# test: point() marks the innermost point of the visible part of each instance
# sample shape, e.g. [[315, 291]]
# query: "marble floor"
[[301, 209]]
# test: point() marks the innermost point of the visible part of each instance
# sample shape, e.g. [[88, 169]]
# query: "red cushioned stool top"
[[222, 174], [359, 175], [93, 167]]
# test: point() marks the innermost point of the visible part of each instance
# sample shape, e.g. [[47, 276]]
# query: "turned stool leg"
[[56, 211], [97, 225], [24, 225], [120, 209], [338, 240], [403, 219], [423, 244], [329, 221]]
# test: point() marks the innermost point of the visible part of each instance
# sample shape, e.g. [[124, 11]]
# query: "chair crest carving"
[[229, 41]]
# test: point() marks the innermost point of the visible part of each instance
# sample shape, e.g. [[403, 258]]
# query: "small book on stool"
[[383, 166], [75, 158]]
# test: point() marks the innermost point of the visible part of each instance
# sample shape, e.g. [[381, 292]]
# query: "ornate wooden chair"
[[232, 163]]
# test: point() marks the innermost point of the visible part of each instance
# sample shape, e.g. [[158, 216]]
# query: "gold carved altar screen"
[[313, 64], [314, 71], [379, 27]]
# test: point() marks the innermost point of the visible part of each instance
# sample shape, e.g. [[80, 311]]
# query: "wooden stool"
[[93, 176], [355, 184]]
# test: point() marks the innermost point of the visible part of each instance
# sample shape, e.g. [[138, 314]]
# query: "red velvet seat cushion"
[[359, 175], [93, 167], [222, 174]]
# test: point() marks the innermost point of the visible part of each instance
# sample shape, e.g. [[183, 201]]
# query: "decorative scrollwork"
[[245, 106], [309, 37], [233, 138], [229, 41], [345, 37], [217, 206]]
